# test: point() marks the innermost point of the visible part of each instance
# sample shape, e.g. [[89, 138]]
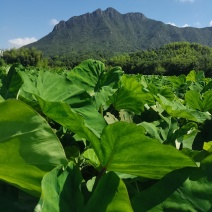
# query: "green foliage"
[[95, 139], [61, 190], [28, 146], [25, 57], [172, 59]]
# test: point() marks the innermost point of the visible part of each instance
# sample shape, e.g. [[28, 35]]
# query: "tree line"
[[172, 59]]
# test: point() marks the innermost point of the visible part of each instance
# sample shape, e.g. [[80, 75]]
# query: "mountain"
[[110, 31]]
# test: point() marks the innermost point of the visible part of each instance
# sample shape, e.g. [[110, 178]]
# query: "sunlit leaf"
[[28, 146], [125, 148]]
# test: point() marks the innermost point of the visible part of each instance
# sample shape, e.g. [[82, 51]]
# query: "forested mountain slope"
[[109, 31]]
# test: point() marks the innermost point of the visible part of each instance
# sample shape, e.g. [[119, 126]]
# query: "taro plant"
[[99, 140]]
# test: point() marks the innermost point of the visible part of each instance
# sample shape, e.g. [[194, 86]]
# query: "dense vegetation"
[[171, 59], [92, 139]]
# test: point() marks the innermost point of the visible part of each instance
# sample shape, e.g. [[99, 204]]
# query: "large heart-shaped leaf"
[[52, 87], [125, 148], [131, 96], [64, 115], [92, 76], [28, 146], [198, 102]]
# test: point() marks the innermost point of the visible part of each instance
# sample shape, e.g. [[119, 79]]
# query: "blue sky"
[[24, 21]]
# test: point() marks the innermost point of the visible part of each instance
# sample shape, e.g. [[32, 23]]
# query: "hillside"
[[110, 31], [171, 59]]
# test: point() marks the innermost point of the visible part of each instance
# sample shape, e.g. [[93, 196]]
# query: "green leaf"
[[87, 75], [198, 102], [110, 195], [176, 109], [164, 91], [153, 130], [64, 115], [125, 148], [92, 118], [207, 101], [54, 88], [61, 190], [131, 96], [11, 83], [28, 146], [189, 189], [91, 76], [194, 76], [91, 158], [193, 99]]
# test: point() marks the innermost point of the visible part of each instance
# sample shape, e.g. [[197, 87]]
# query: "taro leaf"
[[61, 190], [56, 88], [193, 99], [164, 91], [153, 130], [28, 146], [194, 76], [125, 148], [167, 131], [53, 87], [198, 102], [78, 120], [87, 75], [162, 130], [91, 158], [91, 76], [11, 83], [110, 195], [186, 135], [207, 87], [131, 96], [207, 102], [64, 115], [93, 119], [188, 189], [177, 109]]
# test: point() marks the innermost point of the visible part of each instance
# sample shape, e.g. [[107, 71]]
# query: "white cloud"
[[54, 22], [18, 42], [185, 25], [173, 24], [210, 23], [190, 1]]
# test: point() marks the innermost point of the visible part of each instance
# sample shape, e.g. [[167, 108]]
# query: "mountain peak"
[[110, 31], [109, 11]]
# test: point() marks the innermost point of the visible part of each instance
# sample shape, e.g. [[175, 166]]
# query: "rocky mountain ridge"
[[110, 31]]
